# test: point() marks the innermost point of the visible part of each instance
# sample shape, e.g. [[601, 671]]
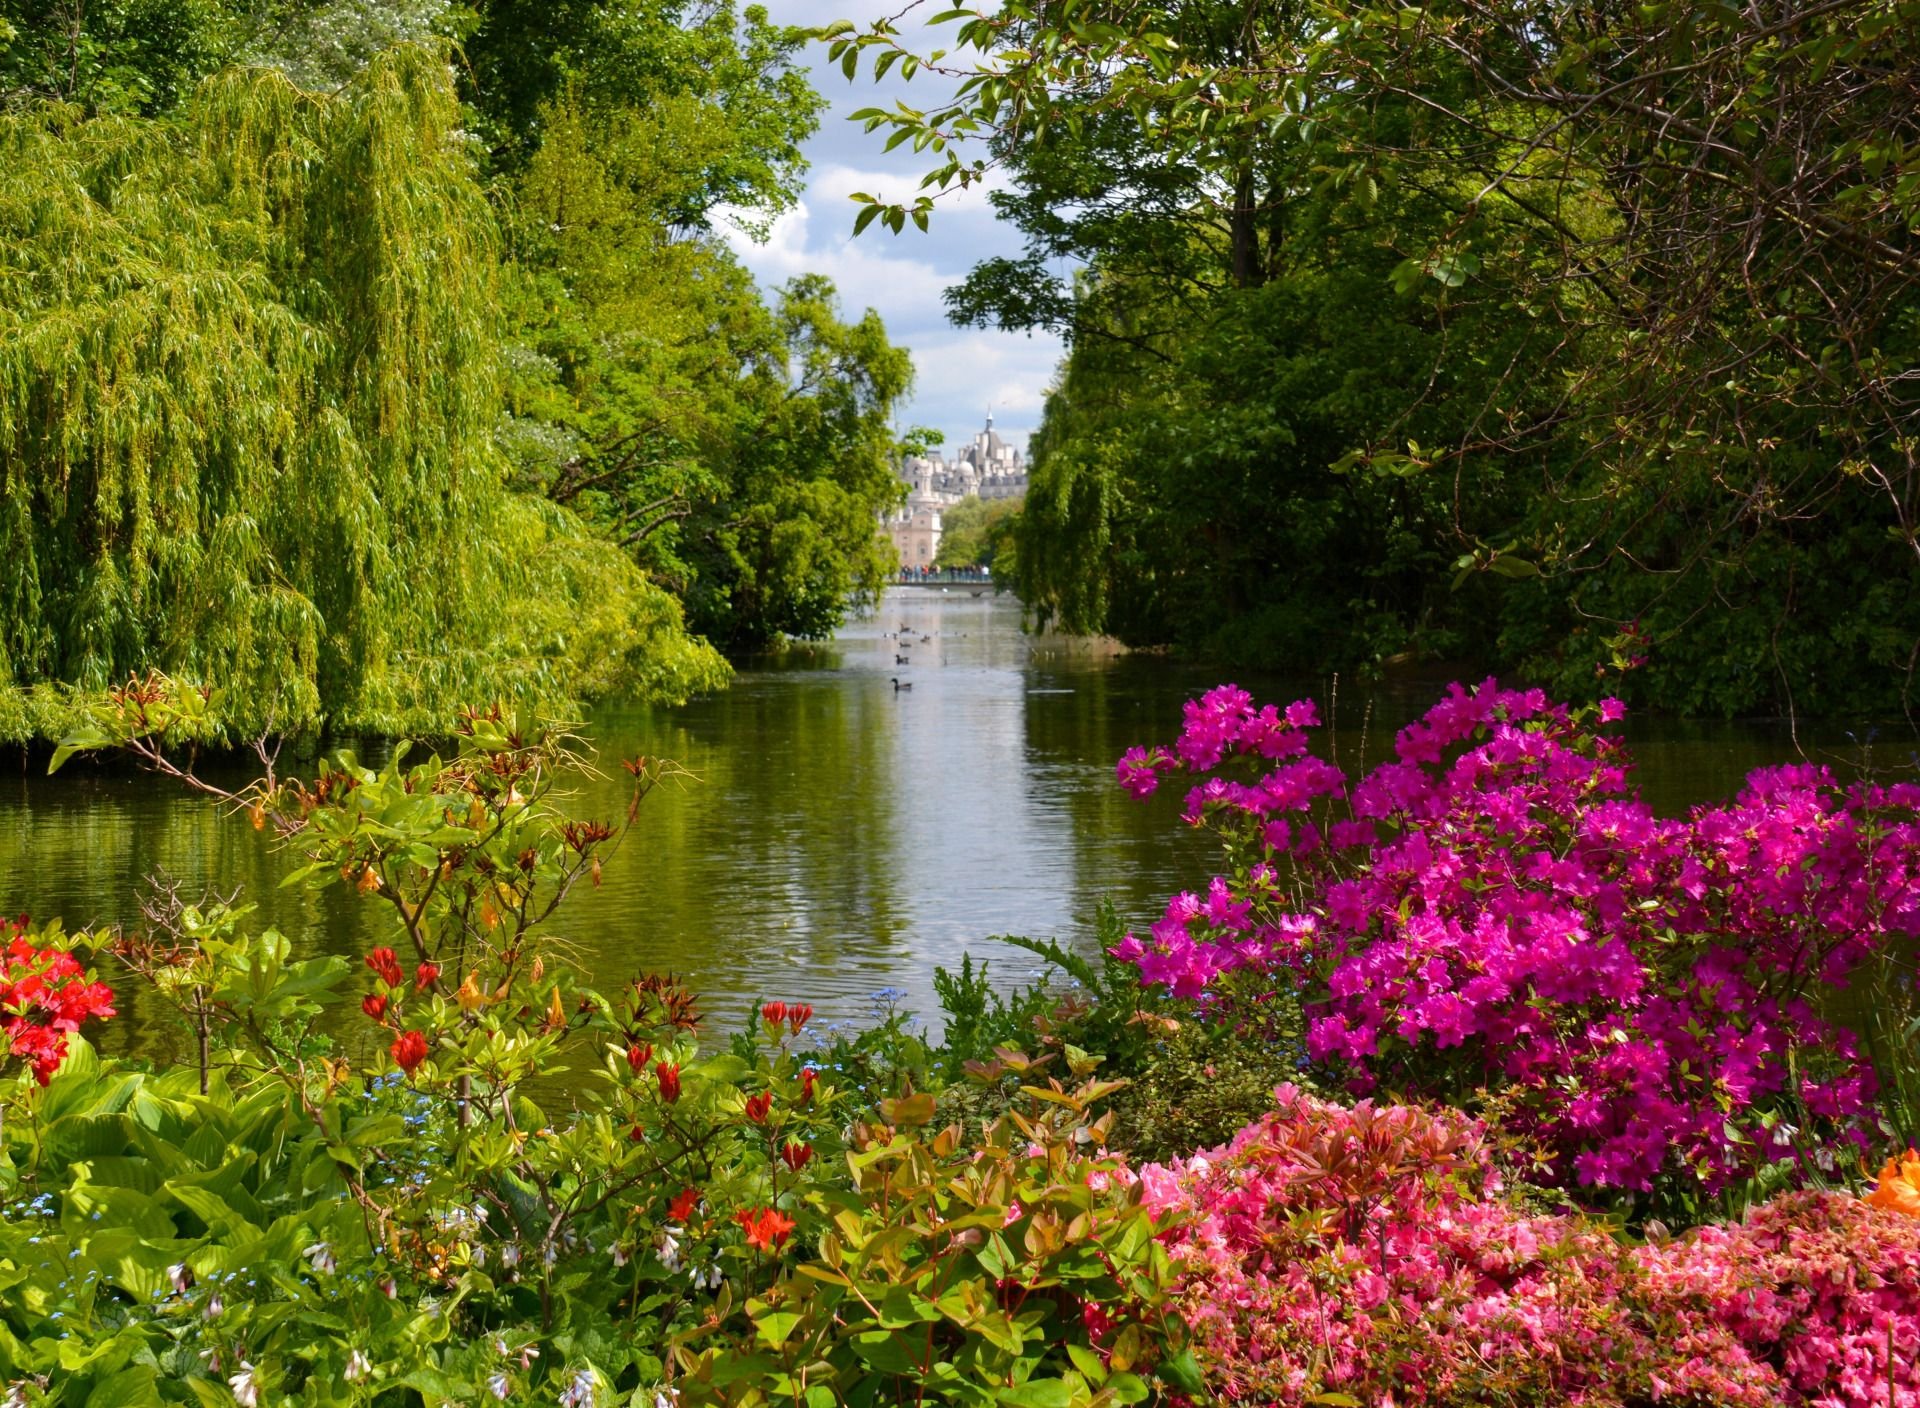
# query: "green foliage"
[[251, 392], [1017, 1269], [1582, 342], [979, 532], [723, 80], [737, 451], [1204, 1078], [312, 1216]]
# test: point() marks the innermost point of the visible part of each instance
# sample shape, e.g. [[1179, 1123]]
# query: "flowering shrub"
[[1333, 1255], [45, 995], [1017, 1268], [1496, 908], [379, 1210]]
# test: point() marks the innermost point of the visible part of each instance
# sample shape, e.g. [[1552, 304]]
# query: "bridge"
[[947, 580]]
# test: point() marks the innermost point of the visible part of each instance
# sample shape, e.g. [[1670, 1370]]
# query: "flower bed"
[[1369, 1255], [1496, 908]]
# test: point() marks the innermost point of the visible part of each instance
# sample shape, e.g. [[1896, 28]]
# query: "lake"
[[843, 836]]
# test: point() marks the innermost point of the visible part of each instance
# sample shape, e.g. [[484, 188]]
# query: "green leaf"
[[1038, 1393], [1183, 1372]]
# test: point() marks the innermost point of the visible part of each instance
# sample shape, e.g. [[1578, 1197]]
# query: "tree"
[[740, 452], [1705, 213], [248, 411], [978, 532]]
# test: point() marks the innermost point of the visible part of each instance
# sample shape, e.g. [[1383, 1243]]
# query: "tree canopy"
[[366, 359], [248, 412], [1548, 334]]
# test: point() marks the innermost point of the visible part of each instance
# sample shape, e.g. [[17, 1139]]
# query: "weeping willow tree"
[[248, 394]]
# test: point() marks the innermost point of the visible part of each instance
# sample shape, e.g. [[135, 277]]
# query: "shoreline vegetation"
[[1466, 1080], [360, 362]]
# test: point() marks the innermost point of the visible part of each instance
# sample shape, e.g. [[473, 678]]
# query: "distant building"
[[986, 466]]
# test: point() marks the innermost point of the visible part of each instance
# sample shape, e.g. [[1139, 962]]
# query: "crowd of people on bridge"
[[971, 573]]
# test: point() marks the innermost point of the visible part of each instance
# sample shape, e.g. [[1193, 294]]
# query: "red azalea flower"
[[774, 1013], [766, 1228], [681, 1208], [759, 1106], [374, 1005], [638, 1055], [799, 1015], [669, 1075], [426, 975], [386, 966], [808, 1074], [636, 1134], [795, 1156], [409, 1050]]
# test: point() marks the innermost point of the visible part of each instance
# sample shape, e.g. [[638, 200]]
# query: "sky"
[[960, 371]]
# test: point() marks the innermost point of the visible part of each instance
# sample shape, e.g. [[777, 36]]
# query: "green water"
[[843, 838]]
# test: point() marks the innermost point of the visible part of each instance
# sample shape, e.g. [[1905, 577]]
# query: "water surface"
[[843, 837]]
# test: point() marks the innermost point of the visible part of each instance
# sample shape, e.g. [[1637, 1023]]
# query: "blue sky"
[[960, 370]]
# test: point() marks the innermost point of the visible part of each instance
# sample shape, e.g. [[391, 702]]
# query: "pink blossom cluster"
[[44, 995], [1496, 908], [1368, 1255]]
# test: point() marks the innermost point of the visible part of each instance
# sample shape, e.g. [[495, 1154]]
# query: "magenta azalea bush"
[[1497, 909], [1370, 1256]]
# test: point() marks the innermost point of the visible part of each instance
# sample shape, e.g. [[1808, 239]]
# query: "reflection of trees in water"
[[80, 847], [778, 858], [840, 838]]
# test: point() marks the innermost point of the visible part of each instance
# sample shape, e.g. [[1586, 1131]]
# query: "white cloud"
[[902, 277], [905, 290]]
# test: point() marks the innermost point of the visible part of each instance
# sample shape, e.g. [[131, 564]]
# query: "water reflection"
[[842, 836]]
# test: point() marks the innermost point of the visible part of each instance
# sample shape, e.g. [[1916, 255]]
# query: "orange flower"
[[758, 1107], [1899, 1189], [681, 1208], [765, 1228]]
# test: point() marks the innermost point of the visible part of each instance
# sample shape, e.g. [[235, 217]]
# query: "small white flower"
[[479, 1255], [389, 1288], [619, 1254], [579, 1393], [321, 1255], [666, 1398], [245, 1391], [16, 1396], [510, 1255], [500, 1347], [667, 1248], [548, 1256], [181, 1276], [215, 1306], [357, 1367], [497, 1384], [527, 1356]]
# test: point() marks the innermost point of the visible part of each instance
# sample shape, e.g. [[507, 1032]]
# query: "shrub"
[[1371, 1255], [1020, 1268], [1495, 908], [46, 994]]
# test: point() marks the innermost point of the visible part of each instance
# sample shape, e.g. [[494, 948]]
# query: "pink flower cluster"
[[1368, 1255], [1496, 908], [44, 995]]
